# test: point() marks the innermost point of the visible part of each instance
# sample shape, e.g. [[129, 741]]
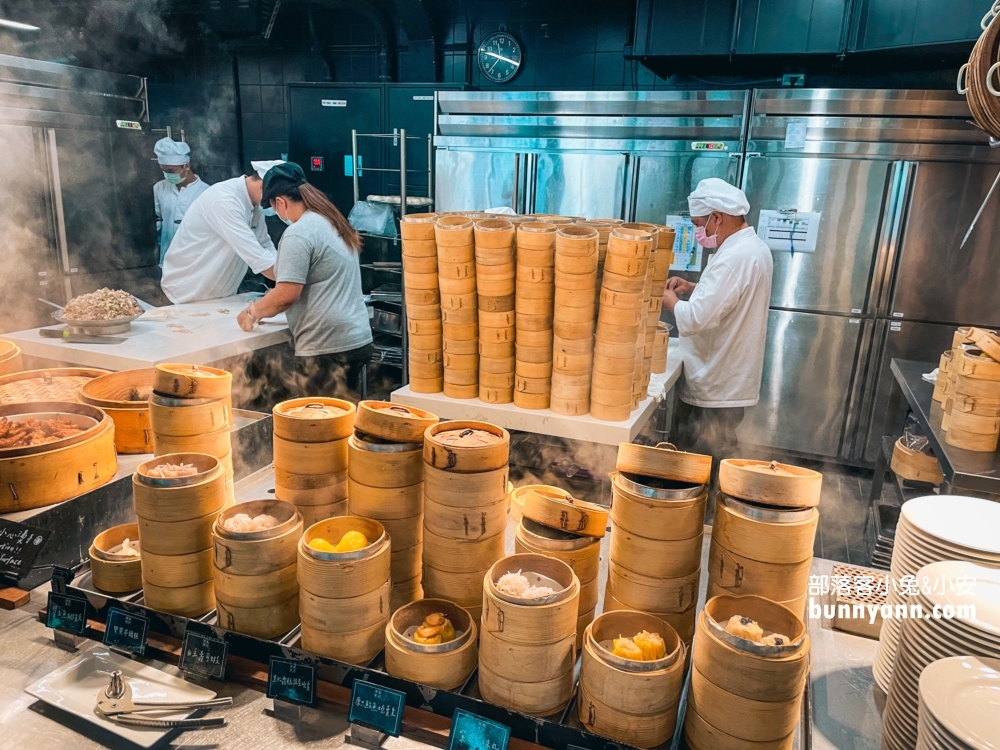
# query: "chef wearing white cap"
[[723, 323], [174, 194], [222, 235]]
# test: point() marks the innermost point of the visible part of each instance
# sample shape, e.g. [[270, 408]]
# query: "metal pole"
[[354, 163], [402, 172], [430, 168]]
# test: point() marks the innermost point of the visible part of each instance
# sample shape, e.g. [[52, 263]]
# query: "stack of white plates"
[[933, 528], [959, 704], [959, 616]]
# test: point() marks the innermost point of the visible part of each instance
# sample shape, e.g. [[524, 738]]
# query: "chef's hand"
[[677, 285], [245, 321]]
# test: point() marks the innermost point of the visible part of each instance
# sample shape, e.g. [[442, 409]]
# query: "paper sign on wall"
[[687, 252], [795, 134], [789, 230]]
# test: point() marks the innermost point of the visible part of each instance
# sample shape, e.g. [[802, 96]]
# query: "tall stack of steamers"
[[520, 298], [968, 389]]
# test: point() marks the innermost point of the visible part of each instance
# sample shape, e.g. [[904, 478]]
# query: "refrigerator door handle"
[[855, 401], [882, 248], [908, 171], [57, 200], [878, 347]]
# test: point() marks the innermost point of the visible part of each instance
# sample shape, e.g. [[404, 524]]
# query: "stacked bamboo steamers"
[[968, 388], [310, 455], [764, 531], [423, 303], [533, 303], [456, 258], [190, 411], [657, 527], [495, 273], [555, 524], [386, 479], [465, 509]]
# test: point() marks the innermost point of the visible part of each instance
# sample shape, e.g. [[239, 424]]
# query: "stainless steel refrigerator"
[[891, 180]]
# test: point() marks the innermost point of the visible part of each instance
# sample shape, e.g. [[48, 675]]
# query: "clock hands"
[[501, 57]]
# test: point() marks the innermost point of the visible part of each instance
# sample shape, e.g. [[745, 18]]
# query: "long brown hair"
[[315, 201]]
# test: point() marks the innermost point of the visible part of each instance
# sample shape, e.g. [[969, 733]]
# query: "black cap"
[[279, 180]]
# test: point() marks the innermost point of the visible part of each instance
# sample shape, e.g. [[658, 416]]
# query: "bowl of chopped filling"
[[40, 426], [104, 312]]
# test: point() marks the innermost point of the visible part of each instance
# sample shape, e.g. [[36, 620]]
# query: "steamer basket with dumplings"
[[417, 650]]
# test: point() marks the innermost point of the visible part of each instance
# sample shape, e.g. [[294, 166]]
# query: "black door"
[[321, 121]]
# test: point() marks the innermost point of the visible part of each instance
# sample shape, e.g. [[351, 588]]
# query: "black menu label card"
[[19, 547], [203, 655], [126, 632], [471, 732], [377, 707], [66, 613], [291, 681]]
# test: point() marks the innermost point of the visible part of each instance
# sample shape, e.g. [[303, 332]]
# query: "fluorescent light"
[[17, 25]]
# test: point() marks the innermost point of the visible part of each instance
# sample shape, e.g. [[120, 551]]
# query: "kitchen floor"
[[843, 513]]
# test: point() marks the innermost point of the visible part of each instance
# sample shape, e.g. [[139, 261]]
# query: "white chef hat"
[[171, 153], [261, 167], [714, 194]]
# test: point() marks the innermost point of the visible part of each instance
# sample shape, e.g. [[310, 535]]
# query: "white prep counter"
[[198, 333]]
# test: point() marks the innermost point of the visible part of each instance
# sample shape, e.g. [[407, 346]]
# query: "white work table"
[[197, 333], [545, 422]]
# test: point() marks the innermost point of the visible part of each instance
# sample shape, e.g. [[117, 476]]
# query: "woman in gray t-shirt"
[[318, 277]]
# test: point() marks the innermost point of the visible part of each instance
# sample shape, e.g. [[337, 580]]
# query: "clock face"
[[500, 57]]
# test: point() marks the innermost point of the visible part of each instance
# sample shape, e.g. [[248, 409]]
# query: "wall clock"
[[500, 57]]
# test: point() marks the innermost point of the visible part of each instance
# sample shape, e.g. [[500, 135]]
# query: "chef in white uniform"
[[174, 194], [222, 235], [723, 323]]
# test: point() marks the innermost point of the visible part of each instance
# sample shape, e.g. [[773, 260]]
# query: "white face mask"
[[288, 222]]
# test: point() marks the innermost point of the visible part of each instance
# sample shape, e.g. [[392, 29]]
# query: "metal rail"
[[399, 138]]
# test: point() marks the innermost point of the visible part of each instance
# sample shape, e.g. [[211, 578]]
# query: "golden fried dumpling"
[[626, 649], [351, 542], [436, 628], [744, 627], [321, 545], [775, 639], [651, 645]]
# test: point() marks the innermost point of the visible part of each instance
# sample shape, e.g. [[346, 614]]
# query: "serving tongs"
[[116, 704]]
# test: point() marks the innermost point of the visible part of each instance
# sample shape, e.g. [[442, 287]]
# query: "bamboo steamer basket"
[[610, 413], [577, 240], [257, 553], [630, 242], [173, 419], [972, 441], [981, 407], [468, 490], [777, 536], [770, 483], [51, 476], [335, 483], [454, 302], [465, 589], [186, 498], [567, 362], [186, 601], [740, 575], [457, 271], [489, 350], [180, 537], [571, 287], [536, 235], [558, 510], [682, 622], [656, 558], [544, 258], [437, 667], [257, 591], [313, 514], [987, 341], [344, 575], [345, 614], [465, 446], [424, 314], [496, 335], [313, 420], [405, 564], [386, 465], [455, 254], [423, 370], [572, 407], [562, 345], [620, 300], [417, 227], [978, 389], [461, 361], [56, 384], [496, 366], [461, 391], [459, 555], [914, 465], [461, 377], [385, 503], [537, 354], [491, 395], [353, 647], [532, 698], [460, 331], [753, 720], [406, 534], [110, 572], [529, 322], [10, 358], [614, 282], [457, 286], [615, 350], [427, 356], [450, 231], [534, 338], [420, 263], [700, 735], [582, 554], [649, 594], [961, 337], [532, 370], [527, 306], [426, 385], [527, 663], [497, 319], [420, 282], [625, 265], [665, 462], [311, 458], [493, 234], [422, 297], [973, 363], [490, 303], [576, 271], [405, 592], [480, 522], [176, 571], [124, 396], [528, 624], [270, 621], [460, 354], [635, 707], [496, 380], [191, 381], [969, 421]]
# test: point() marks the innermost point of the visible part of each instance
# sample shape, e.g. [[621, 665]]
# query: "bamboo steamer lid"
[[405, 592], [961, 337], [406, 564], [765, 535], [442, 669], [532, 698], [465, 446], [700, 735], [469, 489], [465, 589], [481, 522], [457, 555], [655, 557], [264, 590], [531, 624], [312, 514], [649, 594], [741, 575], [261, 622], [54, 384], [420, 263], [384, 465], [527, 663], [384, 503], [914, 465], [176, 571], [256, 553], [112, 573], [355, 647], [186, 601], [417, 227], [343, 575], [664, 461], [971, 441], [770, 483], [313, 420], [191, 381], [167, 500], [557, 510], [453, 230], [987, 341], [754, 720], [536, 235], [610, 413], [973, 363]]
